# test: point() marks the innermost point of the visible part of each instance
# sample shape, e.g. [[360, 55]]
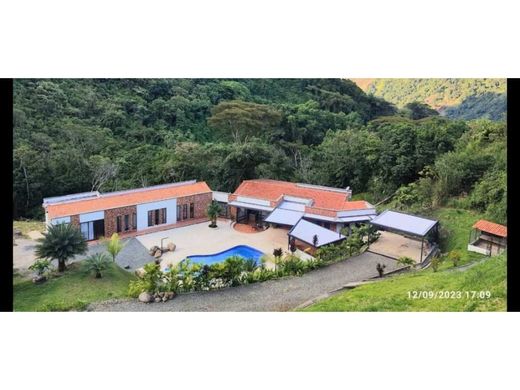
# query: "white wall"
[[142, 212], [56, 221], [87, 217], [247, 199]]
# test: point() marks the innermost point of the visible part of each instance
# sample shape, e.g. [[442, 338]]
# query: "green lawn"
[[392, 294], [74, 290], [27, 226]]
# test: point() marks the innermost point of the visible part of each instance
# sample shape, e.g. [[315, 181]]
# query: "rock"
[[153, 250], [139, 272], [170, 294], [157, 299], [39, 279], [164, 299], [171, 246], [157, 253], [161, 294], [145, 297]]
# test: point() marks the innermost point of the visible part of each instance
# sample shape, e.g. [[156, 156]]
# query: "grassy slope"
[[27, 226], [392, 293], [72, 291]]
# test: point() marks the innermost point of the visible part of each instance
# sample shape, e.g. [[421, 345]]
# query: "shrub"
[[149, 281], [291, 265], [114, 246], [40, 266], [96, 263], [435, 262], [405, 260], [380, 269], [455, 256]]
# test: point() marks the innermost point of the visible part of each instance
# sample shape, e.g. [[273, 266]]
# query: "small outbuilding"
[[488, 238], [308, 234], [405, 235]]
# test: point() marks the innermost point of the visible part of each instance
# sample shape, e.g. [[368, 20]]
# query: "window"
[[134, 221], [118, 224], [184, 211], [156, 217], [127, 222], [192, 210]]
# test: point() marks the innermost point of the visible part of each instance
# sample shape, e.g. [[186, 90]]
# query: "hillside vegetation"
[[82, 135], [454, 98]]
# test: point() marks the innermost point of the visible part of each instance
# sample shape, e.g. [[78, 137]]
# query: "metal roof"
[[305, 231], [405, 223], [284, 217]]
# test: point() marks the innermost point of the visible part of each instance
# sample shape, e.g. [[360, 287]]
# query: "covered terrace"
[[405, 235]]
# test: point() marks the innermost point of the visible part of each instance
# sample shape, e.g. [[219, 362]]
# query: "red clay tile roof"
[[272, 190], [491, 227], [110, 201]]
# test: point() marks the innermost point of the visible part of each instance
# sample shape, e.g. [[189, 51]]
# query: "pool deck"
[[199, 239]]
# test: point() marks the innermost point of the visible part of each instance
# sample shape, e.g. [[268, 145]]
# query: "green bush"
[[96, 263], [149, 281], [41, 266], [405, 260], [455, 256], [435, 262]]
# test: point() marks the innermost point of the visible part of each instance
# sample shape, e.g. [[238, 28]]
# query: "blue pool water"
[[244, 251]]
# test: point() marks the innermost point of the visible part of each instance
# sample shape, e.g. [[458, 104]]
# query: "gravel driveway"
[[274, 295]]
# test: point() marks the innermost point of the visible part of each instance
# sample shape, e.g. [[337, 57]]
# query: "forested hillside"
[[81, 135], [454, 98]]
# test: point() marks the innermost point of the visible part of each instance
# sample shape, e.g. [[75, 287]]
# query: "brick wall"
[[200, 201], [74, 220], [111, 221], [233, 213]]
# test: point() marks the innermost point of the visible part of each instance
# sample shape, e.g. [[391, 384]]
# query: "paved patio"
[[396, 245], [199, 239]]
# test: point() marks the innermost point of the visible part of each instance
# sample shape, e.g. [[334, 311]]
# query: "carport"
[[405, 233]]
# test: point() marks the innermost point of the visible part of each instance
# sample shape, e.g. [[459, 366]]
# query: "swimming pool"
[[244, 251]]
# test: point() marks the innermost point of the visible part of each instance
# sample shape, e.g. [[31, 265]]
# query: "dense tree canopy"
[[78, 135]]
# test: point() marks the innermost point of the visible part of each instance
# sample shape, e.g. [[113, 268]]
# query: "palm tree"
[[61, 242], [114, 246], [96, 263], [213, 212]]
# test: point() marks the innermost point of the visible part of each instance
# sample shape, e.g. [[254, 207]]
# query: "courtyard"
[[199, 239]]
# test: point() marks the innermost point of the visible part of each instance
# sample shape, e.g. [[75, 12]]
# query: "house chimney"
[[349, 193]]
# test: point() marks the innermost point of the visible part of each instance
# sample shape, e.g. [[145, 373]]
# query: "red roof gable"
[[491, 227], [122, 199], [273, 190]]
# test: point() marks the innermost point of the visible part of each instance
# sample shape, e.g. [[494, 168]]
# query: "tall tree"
[[239, 121]]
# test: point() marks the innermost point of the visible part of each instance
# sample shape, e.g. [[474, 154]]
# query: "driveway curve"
[[274, 295]]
